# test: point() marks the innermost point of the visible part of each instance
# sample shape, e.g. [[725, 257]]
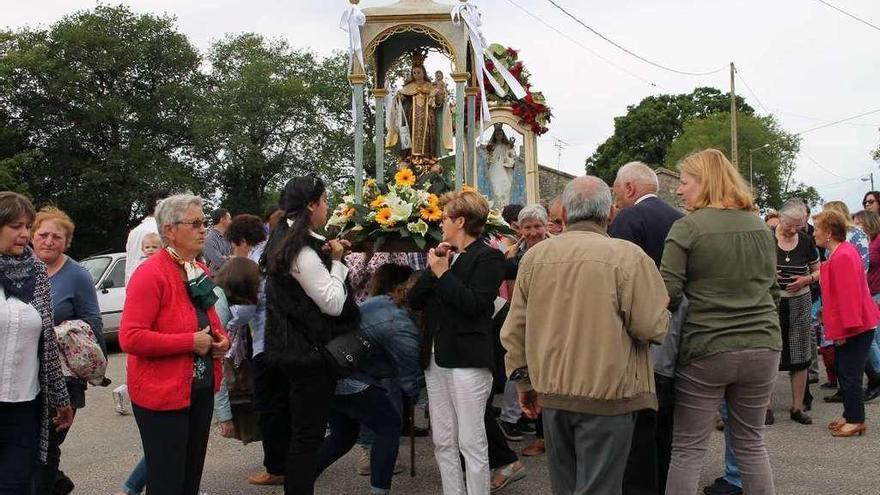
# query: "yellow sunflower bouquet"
[[402, 212]]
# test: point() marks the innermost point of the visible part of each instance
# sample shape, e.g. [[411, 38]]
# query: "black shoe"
[[526, 427], [872, 391], [511, 431], [769, 419], [831, 385], [813, 379], [801, 417], [63, 486], [417, 432], [722, 487], [837, 397]]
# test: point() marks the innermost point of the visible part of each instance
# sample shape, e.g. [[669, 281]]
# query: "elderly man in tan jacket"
[[585, 308]]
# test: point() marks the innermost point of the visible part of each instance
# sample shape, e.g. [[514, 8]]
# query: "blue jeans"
[[19, 445], [137, 480], [731, 469], [370, 407]]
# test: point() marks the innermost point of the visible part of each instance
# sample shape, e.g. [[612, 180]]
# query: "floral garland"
[[401, 210], [531, 110]]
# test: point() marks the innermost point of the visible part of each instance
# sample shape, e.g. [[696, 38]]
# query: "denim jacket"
[[396, 348]]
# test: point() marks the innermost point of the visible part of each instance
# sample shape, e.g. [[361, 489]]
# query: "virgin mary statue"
[[420, 120]]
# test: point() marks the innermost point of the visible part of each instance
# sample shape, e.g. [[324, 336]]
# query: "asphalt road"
[[103, 447]]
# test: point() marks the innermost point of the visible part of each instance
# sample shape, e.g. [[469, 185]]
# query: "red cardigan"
[[157, 330], [847, 307]]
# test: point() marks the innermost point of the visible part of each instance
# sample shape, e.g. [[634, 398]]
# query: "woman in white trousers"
[[457, 297]]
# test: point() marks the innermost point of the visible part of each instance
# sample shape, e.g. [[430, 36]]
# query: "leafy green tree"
[[105, 99], [876, 155], [272, 112], [772, 166], [808, 194], [647, 129]]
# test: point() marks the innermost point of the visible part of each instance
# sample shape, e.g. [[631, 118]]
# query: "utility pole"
[[734, 155], [559, 145]]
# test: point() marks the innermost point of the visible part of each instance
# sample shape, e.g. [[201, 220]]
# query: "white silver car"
[[108, 272]]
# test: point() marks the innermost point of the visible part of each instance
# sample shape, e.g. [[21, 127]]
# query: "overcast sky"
[[808, 64]]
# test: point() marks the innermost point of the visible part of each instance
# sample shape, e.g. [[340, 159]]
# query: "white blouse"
[[20, 327], [327, 289]]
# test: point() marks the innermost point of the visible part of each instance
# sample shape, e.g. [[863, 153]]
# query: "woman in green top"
[[723, 258]]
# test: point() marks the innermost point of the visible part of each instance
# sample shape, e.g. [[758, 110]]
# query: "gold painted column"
[[379, 94], [460, 79], [357, 93], [470, 166]]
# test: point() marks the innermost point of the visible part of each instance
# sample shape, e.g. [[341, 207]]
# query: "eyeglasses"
[[196, 224], [869, 202]]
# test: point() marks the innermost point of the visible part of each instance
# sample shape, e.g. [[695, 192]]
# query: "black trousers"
[[175, 443], [272, 405], [49, 473], [19, 445], [850, 360], [311, 399], [500, 454], [651, 449]]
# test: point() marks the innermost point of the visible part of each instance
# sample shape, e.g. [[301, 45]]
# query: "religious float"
[[436, 138]]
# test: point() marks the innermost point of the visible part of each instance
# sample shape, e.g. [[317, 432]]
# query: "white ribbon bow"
[[469, 13], [352, 20]]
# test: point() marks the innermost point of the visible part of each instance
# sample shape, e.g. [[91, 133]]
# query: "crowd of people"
[[616, 328]]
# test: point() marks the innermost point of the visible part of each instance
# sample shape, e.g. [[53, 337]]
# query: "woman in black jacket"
[[308, 303], [457, 298]]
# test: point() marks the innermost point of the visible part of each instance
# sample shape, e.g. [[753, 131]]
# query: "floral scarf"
[[199, 287], [25, 278]]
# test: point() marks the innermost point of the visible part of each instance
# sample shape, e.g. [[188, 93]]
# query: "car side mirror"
[[106, 284]]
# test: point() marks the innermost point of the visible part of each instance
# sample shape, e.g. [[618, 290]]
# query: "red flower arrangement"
[[532, 110]]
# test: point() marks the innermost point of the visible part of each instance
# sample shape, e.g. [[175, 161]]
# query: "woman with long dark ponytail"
[[308, 303]]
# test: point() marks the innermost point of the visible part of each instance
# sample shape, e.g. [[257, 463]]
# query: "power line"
[[630, 52], [815, 162], [585, 47], [754, 95], [836, 122], [838, 183], [823, 2], [767, 110]]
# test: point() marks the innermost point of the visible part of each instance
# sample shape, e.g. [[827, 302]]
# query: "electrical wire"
[[816, 163], [632, 53], [585, 47], [823, 186], [853, 16], [754, 95], [836, 122]]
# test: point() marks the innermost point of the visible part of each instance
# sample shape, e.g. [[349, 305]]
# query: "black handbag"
[[347, 351]]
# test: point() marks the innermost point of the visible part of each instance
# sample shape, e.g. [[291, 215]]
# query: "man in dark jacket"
[[645, 220]]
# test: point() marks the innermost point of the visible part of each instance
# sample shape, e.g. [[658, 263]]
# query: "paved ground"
[[103, 447]]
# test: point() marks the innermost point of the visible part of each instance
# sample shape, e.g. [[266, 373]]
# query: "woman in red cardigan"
[[174, 342], [849, 315]]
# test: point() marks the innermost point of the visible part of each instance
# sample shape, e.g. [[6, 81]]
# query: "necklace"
[[787, 251]]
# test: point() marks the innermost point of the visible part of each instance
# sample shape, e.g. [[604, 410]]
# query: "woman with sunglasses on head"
[[308, 303], [175, 343]]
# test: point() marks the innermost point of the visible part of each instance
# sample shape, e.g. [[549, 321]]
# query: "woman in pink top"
[[849, 315]]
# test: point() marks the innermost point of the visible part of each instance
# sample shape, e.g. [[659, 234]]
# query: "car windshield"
[[96, 266]]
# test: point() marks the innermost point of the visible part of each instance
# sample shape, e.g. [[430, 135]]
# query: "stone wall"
[[668, 184], [551, 182]]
